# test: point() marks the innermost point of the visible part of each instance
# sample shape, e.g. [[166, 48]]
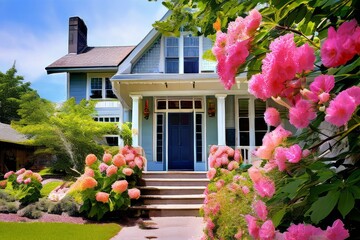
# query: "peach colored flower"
[[120, 186], [119, 160], [37, 176], [88, 182], [139, 162], [107, 157], [102, 197], [130, 157], [90, 159], [132, 164], [8, 174], [134, 193], [233, 165], [111, 170], [89, 172], [127, 171]]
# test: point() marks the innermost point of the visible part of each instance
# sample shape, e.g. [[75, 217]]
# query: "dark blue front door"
[[181, 141]]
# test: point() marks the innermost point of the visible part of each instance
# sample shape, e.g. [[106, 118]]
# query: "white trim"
[[136, 119], [166, 141], [194, 139], [221, 118], [181, 54]]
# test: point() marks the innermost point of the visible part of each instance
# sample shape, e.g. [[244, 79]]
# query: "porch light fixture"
[[146, 110], [211, 108]]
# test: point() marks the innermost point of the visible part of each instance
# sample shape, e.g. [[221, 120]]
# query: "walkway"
[[164, 228]]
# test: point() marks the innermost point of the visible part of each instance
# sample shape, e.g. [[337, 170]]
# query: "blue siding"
[[107, 111], [78, 86], [149, 62], [211, 128]]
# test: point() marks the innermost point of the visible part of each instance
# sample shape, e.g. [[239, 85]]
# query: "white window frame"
[[181, 52], [103, 76], [251, 108]]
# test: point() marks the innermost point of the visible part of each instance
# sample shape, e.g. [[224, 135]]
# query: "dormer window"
[[182, 54]]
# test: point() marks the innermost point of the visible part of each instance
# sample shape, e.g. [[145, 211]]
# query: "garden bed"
[[46, 217]]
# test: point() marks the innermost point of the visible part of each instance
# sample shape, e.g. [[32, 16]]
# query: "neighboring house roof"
[[8, 134], [90, 58]]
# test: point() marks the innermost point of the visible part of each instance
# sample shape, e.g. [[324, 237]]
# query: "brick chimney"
[[77, 35]]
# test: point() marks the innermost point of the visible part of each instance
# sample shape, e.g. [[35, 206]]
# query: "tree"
[[67, 131], [315, 170], [12, 88]]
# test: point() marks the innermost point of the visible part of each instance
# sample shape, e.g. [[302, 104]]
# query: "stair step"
[[174, 174], [171, 190], [173, 199], [169, 210], [175, 181]]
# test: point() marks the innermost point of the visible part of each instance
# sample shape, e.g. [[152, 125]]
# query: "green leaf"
[[278, 216], [355, 190], [322, 207], [354, 177], [346, 202], [349, 67]]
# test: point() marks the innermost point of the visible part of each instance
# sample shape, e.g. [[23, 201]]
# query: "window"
[[179, 104], [112, 140], [107, 119], [199, 137], [190, 59], [159, 137], [96, 88], [172, 55], [191, 54], [101, 88], [251, 123]]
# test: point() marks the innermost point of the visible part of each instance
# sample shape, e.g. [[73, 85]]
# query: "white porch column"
[[221, 118], [135, 119]]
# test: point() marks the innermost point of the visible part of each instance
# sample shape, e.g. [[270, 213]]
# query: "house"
[[174, 98], [14, 152]]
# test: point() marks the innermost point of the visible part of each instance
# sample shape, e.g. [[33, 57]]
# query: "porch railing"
[[246, 153]]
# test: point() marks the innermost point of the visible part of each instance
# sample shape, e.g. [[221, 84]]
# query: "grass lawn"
[[48, 187], [54, 231]]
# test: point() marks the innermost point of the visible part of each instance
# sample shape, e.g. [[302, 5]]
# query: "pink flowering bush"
[[26, 185], [109, 185]]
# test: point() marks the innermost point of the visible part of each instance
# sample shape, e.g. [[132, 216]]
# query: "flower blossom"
[[119, 160], [134, 193], [337, 231], [103, 167], [321, 87], [107, 157], [211, 173], [102, 197], [127, 171], [90, 159], [253, 228], [111, 170], [8, 174], [339, 113], [119, 186], [294, 153], [301, 114], [272, 117], [267, 231], [87, 183], [342, 45], [260, 209], [265, 187]]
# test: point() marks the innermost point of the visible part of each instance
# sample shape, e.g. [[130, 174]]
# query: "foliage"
[[6, 195], [126, 133], [25, 184], [107, 185], [58, 231], [12, 87], [48, 187], [322, 185], [8, 207], [68, 131], [30, 211]]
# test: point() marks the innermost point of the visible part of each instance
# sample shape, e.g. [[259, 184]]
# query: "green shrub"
[[43, 204], [70, 206], [50, 186], [126, 133], [5, 195], [8, 207], [55, 208], [30, 211]]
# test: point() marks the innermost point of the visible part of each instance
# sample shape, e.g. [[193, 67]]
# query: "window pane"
[[244, 139], [96, 94], [159, 137], [173, 104], [191, 41], [191, 65], [260, 124], [198, 104], [171, 65], [172, 47], [161, 104], [108, 88], [243, 107], [186, 104], [96, 88], [112, 141], [244, 124], [260, 107], [199, 135], [258, 138]]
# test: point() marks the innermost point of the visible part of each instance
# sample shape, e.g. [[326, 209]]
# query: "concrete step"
[[169, 210], [175, 182], [171, 190], [173, 199], [173, 174]]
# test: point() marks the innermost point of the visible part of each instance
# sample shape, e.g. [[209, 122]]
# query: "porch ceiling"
[[125, 85]]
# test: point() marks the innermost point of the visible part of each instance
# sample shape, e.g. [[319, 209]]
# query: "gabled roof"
[[8, 134], [91, 57]]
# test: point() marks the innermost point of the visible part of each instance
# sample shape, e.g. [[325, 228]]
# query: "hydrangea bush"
[[25, 184], [108, 185]]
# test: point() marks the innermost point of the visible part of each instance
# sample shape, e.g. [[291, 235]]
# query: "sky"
[[34, 33]]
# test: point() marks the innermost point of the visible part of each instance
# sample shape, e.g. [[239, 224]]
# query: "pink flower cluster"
[[263, 185], [223, 157], [341, 45], [280, 67], [24, 176], [232, 49]]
